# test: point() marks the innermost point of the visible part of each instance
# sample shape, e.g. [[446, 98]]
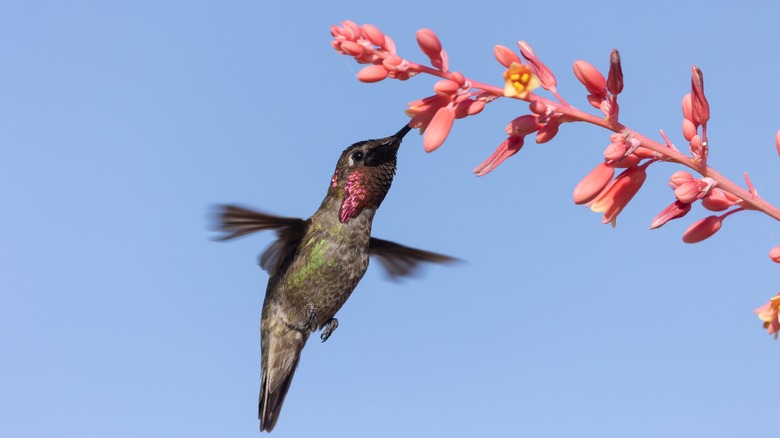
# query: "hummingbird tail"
[[283, 352]]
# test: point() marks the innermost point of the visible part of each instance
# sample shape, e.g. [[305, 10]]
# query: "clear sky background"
[[122, 123]]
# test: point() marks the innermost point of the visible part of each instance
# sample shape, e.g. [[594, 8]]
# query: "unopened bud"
[[591, 78], [505, 55], [372, 73], [702, 229], [615, 76]]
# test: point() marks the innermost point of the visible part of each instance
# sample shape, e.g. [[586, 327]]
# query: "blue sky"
[[121, 124]]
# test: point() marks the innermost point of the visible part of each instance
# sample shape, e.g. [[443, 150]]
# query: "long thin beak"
[[400, 134]]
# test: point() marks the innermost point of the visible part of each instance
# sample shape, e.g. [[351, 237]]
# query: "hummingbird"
[[316, 263]]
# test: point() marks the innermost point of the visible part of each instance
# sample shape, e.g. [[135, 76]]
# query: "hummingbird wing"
[[401, 261], [237, 221]]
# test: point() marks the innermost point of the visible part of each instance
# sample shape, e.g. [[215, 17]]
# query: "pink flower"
[[505, 55], [422, 110], [593, 183], [592, 79], [545, 75], [688, 191], [702, 229], [439, 128], [619, 192], [717, 200], [430, 45], [699, 151], [774, 254], [520, 80], [372, 73], [768, 313], [679, 178], [523, 125], [777, 142], [506, 149], [675, 210]]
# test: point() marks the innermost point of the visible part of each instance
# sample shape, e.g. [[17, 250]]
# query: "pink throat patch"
[[355, 196]]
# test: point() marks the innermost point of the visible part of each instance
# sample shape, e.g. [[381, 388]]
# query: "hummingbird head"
[[364, 174]]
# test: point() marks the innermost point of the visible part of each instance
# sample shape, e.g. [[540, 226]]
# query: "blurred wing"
[[237, 221], [402, 261]]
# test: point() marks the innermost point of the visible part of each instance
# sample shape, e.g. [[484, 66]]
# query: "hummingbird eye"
[[357, 156]]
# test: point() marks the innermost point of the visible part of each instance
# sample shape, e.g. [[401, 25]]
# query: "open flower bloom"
[[768, 314], [619, 193], [520, 80]]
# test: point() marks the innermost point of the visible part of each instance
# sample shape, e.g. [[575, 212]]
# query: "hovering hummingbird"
[[316, 263]]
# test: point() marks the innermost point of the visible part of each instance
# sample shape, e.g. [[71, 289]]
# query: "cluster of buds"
[[456, 97], [602, 91], [368, 45]]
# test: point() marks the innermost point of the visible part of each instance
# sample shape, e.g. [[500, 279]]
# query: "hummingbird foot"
[[331, 325], [311, 318]]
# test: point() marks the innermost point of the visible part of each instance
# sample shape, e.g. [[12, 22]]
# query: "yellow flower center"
[[519, 81]]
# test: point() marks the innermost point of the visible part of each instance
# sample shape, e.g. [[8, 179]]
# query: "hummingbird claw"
[[331, 325], [311, 318]]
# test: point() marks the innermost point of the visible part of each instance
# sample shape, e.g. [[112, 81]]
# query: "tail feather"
[[280, 358]]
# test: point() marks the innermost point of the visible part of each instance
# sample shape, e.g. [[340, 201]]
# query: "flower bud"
[[716, 200], [373, 34], [372, 73], [701, 108], [591, 78], [615, 75], [629, 160], [774, 254], [687, 192], [616, 151], [544, 73], [523, 125], [540, 108], [777, 142], [593, 183], [445, 87], [505, 55], [675, 210], [680, 177], [702, 229], [688, 129]]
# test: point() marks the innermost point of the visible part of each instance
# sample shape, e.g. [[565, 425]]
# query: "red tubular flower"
[[619, 193], [438, 128], [768, 313], [544, 73], [506, 149], [593, 183], [675, 210], [422, 111], [702, 229]]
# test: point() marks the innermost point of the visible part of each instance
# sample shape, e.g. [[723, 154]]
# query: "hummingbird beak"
[[400, 134]]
